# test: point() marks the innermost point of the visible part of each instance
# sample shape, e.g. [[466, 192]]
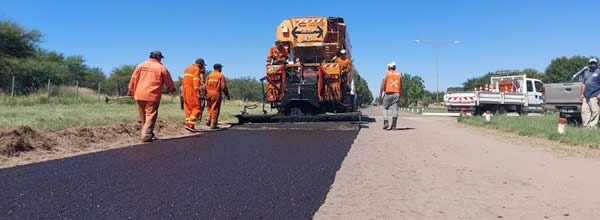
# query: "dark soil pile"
[[23, 139]]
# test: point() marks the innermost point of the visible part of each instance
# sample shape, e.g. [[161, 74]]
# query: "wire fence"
[[68, 94]]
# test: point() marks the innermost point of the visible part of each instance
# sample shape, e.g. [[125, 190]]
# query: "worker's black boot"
[[393, 127], [385, 124]]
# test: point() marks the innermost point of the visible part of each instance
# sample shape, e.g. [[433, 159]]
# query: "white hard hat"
[[343, 51], [392, 64], [593, 60]]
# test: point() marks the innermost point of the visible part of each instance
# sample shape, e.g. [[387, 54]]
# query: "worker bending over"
[[191, 92], [278, 54], [215, 85], [145, 86], [391, 89]]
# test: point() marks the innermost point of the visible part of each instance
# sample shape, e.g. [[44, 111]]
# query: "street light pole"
[[437, 73], [437, 46]]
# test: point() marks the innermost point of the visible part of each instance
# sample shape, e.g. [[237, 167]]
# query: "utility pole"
[[437, 46], [437, 73]]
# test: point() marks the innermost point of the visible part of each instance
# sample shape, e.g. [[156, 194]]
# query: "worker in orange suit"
[[391, 90], [145, 86], [215, 85], [345, 69], [278, 54], [192, 91]]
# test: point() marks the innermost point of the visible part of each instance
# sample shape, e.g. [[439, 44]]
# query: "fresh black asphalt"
[[232, 174]]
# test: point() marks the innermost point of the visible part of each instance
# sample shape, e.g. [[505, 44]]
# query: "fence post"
[[77, 91], [12, 90], [98, 92], [48, 89]]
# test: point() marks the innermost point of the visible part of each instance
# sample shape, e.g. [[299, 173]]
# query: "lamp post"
[[437, 46]]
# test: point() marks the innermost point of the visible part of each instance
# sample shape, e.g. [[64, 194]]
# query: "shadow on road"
[[403, 129]]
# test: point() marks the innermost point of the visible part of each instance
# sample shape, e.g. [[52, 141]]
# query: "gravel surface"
[[436, 169]]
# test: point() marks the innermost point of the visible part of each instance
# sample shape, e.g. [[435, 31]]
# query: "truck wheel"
[[478, 111], [501, 110], [521, 111]]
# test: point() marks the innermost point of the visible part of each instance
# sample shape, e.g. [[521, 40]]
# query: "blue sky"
[[502, 34]]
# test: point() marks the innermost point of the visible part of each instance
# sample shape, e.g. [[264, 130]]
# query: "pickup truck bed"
[[565, 99]]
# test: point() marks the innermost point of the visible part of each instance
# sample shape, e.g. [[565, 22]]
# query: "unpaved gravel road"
[[437, 169]]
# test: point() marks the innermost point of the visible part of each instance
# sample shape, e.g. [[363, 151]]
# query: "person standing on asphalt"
[[215, 85], [192, 91], [590, 94], [145, 86], [391, 89]]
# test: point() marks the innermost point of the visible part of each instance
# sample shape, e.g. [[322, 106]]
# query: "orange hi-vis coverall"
[[145, 86], [215, 84], [345, 64], [192, 88], [280, 54], [346, 71]]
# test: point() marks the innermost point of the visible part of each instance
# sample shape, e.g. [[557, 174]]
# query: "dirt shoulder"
[[435, 168], [25, 145]]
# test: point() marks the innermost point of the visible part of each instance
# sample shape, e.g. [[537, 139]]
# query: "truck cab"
[[535, 94]]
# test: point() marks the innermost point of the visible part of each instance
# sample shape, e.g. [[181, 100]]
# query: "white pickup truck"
[[505, 94]]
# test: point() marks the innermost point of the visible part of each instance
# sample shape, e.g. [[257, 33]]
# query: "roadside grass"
[[61, 115], [425, 110], [544, 126], [436, 110]]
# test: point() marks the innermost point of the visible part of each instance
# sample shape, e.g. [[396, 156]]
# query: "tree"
[[118, 81], [78, 71], [16, 41], [413, 89], [32, 67], [455, 89], [364, 96], [32, 74], [561, 69], [245, 88]]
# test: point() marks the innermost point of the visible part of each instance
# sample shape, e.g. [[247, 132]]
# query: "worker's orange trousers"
[[191, 105], [148, 112], [213, 105]]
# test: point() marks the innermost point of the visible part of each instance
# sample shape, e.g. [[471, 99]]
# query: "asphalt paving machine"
[[309, 86]]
